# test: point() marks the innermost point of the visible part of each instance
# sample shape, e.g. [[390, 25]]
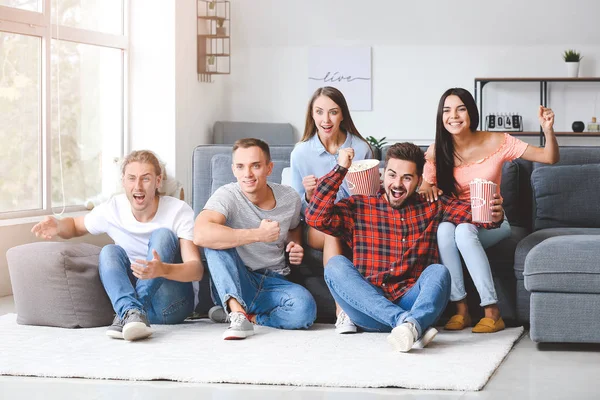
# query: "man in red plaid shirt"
[[394, 282]]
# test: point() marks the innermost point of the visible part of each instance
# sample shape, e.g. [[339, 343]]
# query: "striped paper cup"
[[363, 177], [482, 194]]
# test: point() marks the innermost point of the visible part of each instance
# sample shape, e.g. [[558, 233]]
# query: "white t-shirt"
[[114, 217]]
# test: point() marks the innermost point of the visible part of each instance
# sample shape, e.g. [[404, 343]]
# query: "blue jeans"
[[471, 242], [274, 300], [162, 300], [369, 309]]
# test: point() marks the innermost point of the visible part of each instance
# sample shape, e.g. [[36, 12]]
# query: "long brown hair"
[[444, 146], [347, 125]]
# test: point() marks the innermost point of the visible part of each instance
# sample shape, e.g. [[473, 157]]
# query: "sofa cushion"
[[565, 196], [564, 264], [57, 284], [535, 238]]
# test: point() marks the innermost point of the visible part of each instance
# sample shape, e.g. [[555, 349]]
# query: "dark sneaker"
[[115, 331], [135, 325], [239, 328], [426, 338], [217, 314], [344, 324]]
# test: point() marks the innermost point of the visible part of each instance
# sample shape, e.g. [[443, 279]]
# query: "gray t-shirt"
[[240, 213]]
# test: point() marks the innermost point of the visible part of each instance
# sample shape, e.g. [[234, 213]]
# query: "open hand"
[[431, 193], [46, 229], [144, 269], [296, 253]]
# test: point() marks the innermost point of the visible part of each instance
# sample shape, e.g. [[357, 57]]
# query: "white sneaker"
[[217, 314], [403, 337], [426, 338], [239, 328], [344, 324]]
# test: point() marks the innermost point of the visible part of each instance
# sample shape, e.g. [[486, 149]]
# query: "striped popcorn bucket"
[[482, 194], [363, 177]]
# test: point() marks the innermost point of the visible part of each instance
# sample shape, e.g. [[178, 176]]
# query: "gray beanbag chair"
[[57, 284]]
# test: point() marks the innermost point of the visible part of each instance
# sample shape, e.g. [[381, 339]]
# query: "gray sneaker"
[[135, 325], [344, 324], [426, 338], [115, 331], [217, 314], [239, 328], [403, 337]]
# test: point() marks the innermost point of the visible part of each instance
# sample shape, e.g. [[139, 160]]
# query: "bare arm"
[[210, 231], [65, 228], [548, 154], [191, 269]]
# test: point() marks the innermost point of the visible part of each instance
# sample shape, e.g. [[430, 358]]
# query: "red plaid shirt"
[[391, 248]]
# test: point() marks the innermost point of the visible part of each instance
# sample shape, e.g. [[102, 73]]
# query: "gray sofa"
[[548, 260]]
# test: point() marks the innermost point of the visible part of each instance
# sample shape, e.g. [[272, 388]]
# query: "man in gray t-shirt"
[[246, 228]]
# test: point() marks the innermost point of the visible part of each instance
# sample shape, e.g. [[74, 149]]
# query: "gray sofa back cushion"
[[566, 196], [211, 169], [275, 134]]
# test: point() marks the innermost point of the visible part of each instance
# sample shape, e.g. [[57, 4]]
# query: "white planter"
[[572, 69]]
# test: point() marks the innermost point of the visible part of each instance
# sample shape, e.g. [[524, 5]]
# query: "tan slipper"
[[458, 322], [488, 325]]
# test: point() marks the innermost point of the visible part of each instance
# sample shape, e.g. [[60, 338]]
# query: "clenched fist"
[[345, 157], [310, 184], [268, 231], [296, 253]]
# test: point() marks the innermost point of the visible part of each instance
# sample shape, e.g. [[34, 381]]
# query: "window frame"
[[39, 24]]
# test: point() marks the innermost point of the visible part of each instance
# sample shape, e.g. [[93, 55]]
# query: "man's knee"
[[337, 267], [110, 256], [304, 309], [164, 235]]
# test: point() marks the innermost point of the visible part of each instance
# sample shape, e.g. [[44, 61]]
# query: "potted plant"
[[211, 65], [221, 31], [211, 8], [376, 145], [572, 58]]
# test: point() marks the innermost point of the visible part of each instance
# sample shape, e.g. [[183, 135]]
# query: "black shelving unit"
[[478, 94]]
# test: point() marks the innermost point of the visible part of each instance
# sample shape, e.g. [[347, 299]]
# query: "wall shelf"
[[214, 42], [478, 94]]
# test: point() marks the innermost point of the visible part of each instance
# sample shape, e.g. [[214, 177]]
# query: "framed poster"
[[345, 68]]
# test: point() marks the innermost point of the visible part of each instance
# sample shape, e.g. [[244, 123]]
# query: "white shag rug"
[[195, 352]]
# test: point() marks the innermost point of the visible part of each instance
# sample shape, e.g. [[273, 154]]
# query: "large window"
[[62, 80]]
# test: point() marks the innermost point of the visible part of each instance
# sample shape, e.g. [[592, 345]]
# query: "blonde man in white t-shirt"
[[148, 272]]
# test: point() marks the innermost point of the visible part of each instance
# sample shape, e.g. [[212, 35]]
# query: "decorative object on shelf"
[[593, 126], [221, 30], [376, 145], [578, 126], [210, 64], [504, 122], [212, 9], [572, 58]]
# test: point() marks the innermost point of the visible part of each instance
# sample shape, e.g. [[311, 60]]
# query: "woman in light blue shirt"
[[328, 129]]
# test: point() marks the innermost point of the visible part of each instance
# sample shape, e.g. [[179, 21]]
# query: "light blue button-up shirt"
[[311, 158]]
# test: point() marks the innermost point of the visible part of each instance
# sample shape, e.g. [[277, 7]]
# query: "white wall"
[[419, 50]]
